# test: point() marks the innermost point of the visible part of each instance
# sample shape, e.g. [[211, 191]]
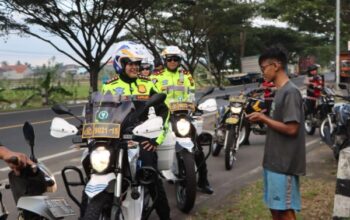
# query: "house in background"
[[72, 70], [15, 72]]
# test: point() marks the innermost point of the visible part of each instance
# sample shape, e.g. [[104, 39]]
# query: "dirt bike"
[[232, 128], [315, 115], [111, 133], [176, 154], [28, 188], [335, 128]]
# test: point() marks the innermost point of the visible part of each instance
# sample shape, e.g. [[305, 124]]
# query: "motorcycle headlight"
[[183, 127], [100, 159], [236, 109]]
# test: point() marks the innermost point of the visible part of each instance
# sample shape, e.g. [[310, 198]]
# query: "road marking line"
[[42, 159], [33, 110], [33, 123]]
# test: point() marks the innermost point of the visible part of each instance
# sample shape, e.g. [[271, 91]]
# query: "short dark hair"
[[276, 52]]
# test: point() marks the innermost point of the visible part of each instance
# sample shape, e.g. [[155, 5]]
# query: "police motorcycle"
[[315, 116], [29, 186], [335, 128], [115, 179], [232, 128], [176, 155]]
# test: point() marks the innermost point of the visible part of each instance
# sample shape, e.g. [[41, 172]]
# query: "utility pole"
[[337, 39]]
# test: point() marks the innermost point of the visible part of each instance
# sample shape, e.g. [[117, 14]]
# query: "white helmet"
[[126, 51], [172, 51], [148, 58]]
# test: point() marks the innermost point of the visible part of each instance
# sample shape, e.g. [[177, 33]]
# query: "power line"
[[28, 52]]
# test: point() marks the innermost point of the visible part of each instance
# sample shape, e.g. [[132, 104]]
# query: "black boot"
[[203, 183], [204, 186]]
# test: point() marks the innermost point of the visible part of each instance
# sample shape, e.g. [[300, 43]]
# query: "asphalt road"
[[55, 153]]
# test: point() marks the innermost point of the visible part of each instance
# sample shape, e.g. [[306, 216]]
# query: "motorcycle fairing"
[[98, 183], [132, 208], [42, 206], [185, 143]]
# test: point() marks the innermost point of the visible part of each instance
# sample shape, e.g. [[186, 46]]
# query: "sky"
[[15, 48]]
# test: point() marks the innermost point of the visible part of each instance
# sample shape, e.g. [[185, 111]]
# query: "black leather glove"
[[150, 145]]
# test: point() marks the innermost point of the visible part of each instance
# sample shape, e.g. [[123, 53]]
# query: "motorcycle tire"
[[230, 151], [97, 208], [244, 134], [186, 189], [326, 134], [147, 204], [216, 149], [309, 128]]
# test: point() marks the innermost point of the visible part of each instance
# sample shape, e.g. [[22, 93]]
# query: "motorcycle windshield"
[[107, 112]]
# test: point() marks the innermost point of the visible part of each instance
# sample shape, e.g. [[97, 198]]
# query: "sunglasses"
[[175, 59], [147, 68]]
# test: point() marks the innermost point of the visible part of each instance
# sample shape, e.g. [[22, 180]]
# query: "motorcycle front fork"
[[116, 208]]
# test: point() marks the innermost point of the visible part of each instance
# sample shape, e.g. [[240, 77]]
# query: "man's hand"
[[22, 159], [149, 145], [256, 117]]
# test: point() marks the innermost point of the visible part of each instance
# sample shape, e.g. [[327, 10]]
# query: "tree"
[[172, 23], [226, 38], [2, 98], [297, 43], [88, 27], [315, 17], [190, 27]]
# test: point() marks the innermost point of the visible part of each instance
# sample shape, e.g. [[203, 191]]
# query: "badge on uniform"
[[141, 89], [165, 82], [119, 90], [191, 80], [154, 81]]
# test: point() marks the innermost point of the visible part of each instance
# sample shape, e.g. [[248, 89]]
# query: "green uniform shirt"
[[141, 87], [178, 86]]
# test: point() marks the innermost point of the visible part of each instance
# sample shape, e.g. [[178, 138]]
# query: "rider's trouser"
[[202, 166], [156, 189]]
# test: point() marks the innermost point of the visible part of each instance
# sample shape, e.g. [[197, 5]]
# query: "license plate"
[[240, 99], [101, 130], [59, 207], [180, 106], [232, 120]]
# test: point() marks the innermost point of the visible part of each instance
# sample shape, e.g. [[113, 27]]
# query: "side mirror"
[[209, 105], [28, 132], [61, 110], [208, 91], [342, 86], [61, 128]]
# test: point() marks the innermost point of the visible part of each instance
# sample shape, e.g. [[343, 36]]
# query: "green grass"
[[79, 89], [317, 203]]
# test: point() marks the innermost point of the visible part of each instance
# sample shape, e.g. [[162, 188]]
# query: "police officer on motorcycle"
[[167, 80], [127, 61]]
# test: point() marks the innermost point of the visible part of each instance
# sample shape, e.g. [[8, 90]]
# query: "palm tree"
[[45, 90], [2, 99]]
